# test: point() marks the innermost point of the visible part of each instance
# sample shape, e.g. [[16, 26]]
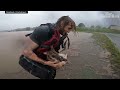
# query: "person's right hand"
[[60, 64], [55, 64]]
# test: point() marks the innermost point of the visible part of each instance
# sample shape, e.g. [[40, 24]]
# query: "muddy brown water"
[[84, 58]]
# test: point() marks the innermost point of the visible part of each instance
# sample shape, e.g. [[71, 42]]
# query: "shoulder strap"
[[28, 34]]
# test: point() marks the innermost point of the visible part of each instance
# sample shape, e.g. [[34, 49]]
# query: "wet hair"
[[66, 20]]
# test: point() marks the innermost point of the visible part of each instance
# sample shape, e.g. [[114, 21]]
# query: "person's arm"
[[28, 52]]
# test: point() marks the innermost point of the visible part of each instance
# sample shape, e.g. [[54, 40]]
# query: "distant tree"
[[98, 27], [81, 25], [27, 28], [104, 28], [33, 28], [92, 26]]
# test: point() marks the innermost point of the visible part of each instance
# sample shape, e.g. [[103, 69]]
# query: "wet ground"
[[86, 60]]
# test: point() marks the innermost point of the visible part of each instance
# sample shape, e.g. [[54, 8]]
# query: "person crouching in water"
[[33, 58]]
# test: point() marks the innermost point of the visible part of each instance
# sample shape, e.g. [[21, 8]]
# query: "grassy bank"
[[105, 30], [106, 43]]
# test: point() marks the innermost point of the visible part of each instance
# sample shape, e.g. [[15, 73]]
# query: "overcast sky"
[[35, 18]]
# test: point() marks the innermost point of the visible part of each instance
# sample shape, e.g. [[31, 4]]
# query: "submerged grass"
[[106, 43]]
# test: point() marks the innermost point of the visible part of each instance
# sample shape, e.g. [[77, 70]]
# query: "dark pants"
[[39, 70]]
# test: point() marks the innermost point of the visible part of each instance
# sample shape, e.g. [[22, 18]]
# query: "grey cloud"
[[35, 18]]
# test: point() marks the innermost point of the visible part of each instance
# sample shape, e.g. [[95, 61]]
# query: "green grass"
[[106, 43], [104, 30]]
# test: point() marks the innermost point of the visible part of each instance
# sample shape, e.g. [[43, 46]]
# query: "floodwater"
[[86, 59], [115, 38]]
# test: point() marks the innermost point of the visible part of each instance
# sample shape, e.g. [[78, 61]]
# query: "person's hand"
[[55, 64], [60, 64], [50, 63]]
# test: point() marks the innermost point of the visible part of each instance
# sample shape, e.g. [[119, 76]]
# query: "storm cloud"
[[35, 18]]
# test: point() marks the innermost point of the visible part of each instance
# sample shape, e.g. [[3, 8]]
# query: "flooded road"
[[86, 60], [115, 38]]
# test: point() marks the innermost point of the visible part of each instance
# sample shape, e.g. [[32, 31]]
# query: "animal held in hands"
[[53, 55]]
